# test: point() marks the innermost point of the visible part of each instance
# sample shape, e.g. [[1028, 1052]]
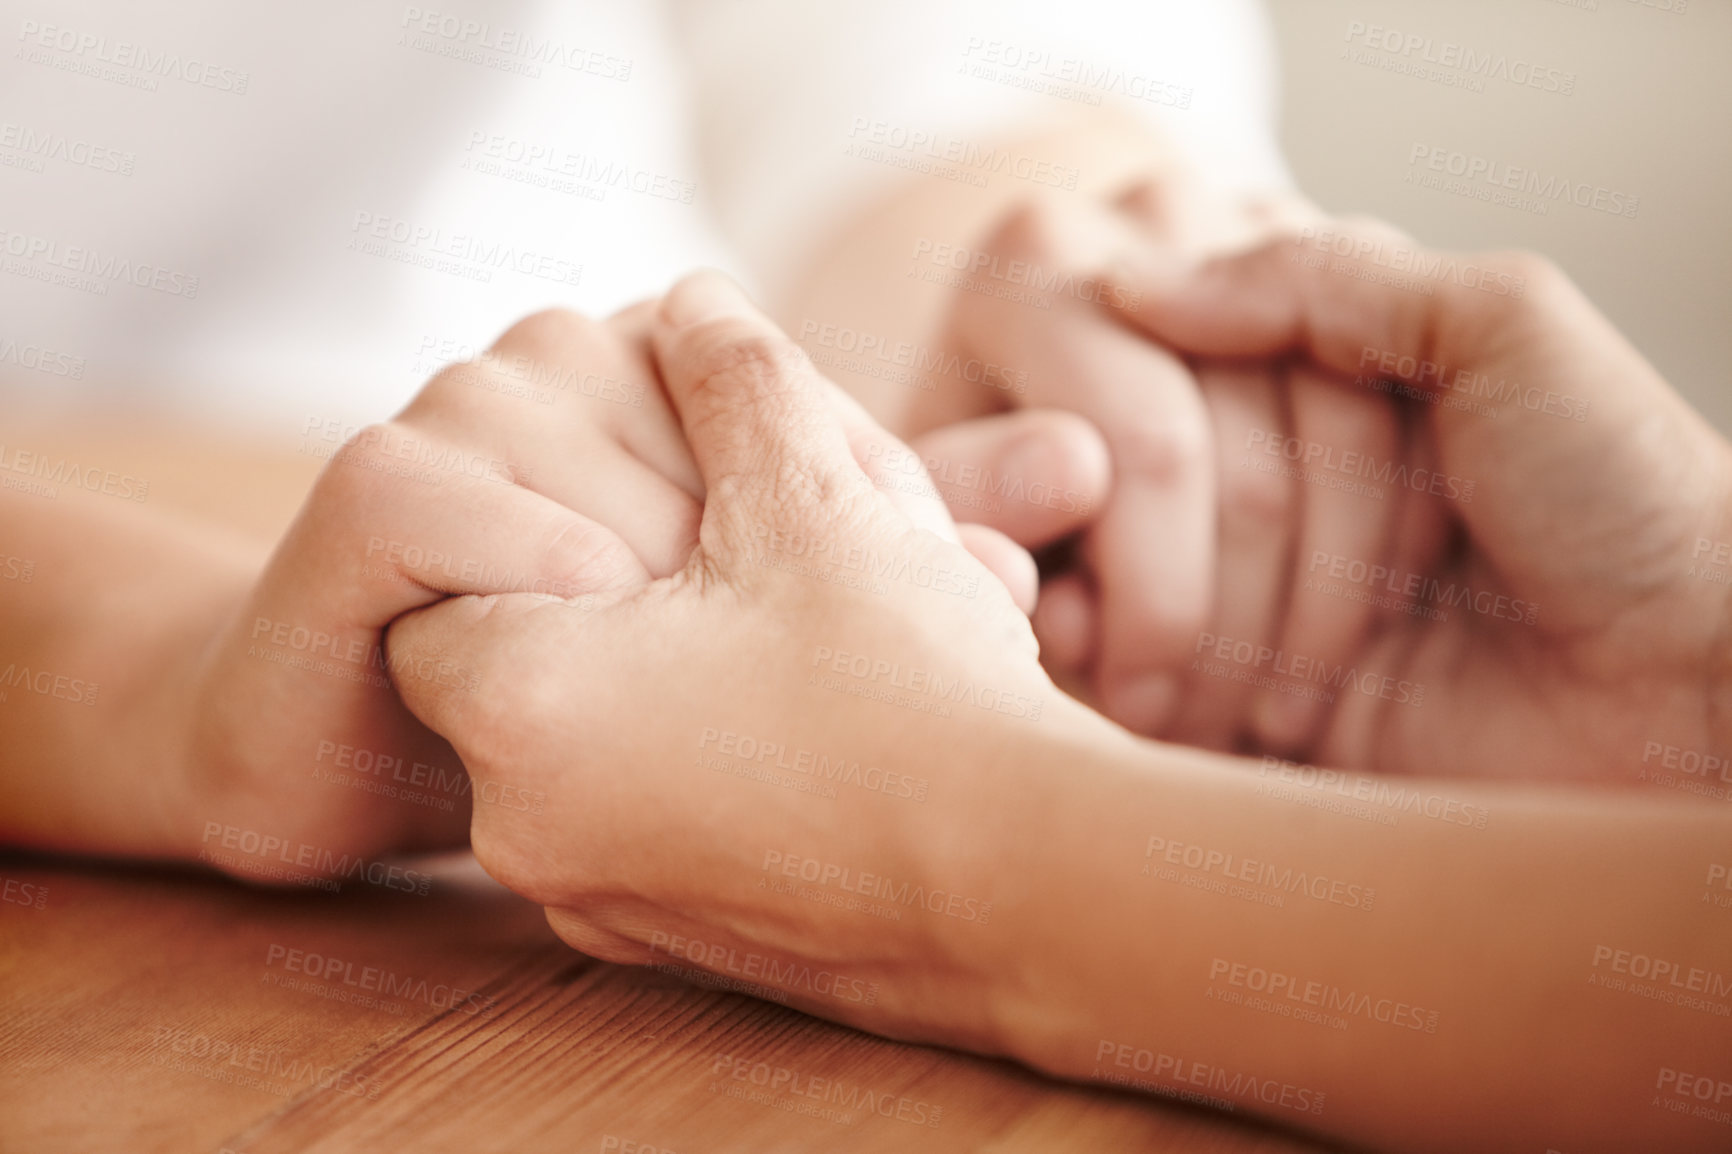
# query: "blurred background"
[[1646, 118]]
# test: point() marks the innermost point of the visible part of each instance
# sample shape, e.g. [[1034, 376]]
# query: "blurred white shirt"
[[280, 215]]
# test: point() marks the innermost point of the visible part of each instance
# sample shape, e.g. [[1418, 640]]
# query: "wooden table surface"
[[152, 1009], [148, 1009]]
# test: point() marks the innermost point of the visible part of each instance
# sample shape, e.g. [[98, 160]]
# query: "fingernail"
[[1143, 704], [703, 297]]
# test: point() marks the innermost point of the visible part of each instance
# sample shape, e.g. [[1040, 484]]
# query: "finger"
[[401, 538], [894, 468], [606, 448], [1065, 620], [1340, 438], [648, 428], [1009, 562], [1152, 550], [761, 423], [1353, 296], [1254, 534], [1035, 475]]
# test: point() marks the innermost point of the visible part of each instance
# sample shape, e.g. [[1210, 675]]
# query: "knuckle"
[[730, 364], [1162, 452], [1543, 283], [1031, 228], [550, 333], [349, 479]]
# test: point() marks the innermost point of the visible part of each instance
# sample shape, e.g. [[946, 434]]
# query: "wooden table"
[[152, 1009], [146, 1009]]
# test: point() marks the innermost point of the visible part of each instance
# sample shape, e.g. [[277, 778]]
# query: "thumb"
[[457, 663], [1035, 475], [1362, 298], [758, 416]]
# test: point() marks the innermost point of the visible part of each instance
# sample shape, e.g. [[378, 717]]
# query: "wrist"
[[1045, 798]]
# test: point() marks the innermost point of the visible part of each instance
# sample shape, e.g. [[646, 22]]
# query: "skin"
[[1207, 354], [1597, 499], [198, 727], [1500, 912]]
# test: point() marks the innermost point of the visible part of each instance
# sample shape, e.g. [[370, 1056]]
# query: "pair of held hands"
[[706, 554]]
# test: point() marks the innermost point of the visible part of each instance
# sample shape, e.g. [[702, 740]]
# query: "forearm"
[[1362, 956], [100, 648]]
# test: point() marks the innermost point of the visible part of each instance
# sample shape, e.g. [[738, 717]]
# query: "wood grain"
[[143, 1010]]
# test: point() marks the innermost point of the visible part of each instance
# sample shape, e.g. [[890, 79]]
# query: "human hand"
[[552, 464], [1539, 589], [825, 678], [1183, 543]]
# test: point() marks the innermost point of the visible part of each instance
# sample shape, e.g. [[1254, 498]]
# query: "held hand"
[[808, 689], [1176, 543], [552, 464], [1541, 561]]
